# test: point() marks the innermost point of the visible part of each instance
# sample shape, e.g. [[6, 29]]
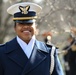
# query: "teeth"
[[25, 31]]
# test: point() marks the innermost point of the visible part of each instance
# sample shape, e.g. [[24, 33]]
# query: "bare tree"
[[57, 16]]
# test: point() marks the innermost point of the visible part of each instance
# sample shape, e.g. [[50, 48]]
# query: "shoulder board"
[[48, 45]]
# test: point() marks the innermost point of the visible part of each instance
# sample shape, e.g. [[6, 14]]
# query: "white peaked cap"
[[15, 8]]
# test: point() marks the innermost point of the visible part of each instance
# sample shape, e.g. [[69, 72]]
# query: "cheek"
[[17, 29]]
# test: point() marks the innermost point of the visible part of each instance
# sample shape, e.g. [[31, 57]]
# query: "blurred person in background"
[[65, 55], [47, 37], [70, 54]]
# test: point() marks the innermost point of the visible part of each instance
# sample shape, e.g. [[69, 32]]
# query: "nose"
[[25, 26]]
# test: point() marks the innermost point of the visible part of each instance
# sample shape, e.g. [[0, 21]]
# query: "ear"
[[37, 31], [15, 26]]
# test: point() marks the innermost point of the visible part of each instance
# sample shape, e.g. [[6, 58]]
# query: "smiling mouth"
[[26, 32]]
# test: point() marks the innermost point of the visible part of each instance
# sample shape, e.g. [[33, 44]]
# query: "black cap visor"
[[25, 21]]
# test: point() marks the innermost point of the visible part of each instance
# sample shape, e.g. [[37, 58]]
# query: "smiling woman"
[[25, 55]]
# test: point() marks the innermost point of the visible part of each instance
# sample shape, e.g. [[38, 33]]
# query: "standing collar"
[[40, 46], [19, 40], [27, 48]]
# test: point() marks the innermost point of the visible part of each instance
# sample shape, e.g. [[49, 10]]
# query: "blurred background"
[[57, 17]]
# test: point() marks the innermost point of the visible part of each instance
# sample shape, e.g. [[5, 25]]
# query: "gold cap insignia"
[[25, 9]]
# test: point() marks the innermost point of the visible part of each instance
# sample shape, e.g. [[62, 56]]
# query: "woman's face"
[[25, 31]]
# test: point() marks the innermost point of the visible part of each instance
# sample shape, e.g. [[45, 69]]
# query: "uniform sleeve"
[[1, 67], [57, 65]]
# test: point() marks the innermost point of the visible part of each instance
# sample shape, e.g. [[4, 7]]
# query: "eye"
[[21, 23], [30, 24], [25, 24]]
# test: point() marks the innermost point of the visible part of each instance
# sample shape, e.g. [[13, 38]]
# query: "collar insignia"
[[24, 10]]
